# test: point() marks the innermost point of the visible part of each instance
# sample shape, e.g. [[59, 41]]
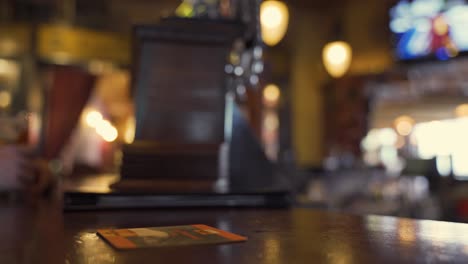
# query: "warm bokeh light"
[[407, 231], [107, 131], [387, 137], [462, 110], [271, 15], [440, 27], [271, 122], [274, 18], [438, 138], [272, 249], [371, 141], [337, 58], [93, 118], [4, 65], [5, 99], [184, 10], [271, 94], [100, 67], [404, 125], [8, 68], [129, 135]]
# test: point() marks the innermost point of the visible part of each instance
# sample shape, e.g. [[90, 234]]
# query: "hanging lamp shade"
[[337, 57], [274, 18]]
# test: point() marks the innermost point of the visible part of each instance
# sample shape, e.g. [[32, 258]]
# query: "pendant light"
[[274, 18], [337, 54]]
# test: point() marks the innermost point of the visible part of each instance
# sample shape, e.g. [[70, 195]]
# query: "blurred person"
[[19, 170]]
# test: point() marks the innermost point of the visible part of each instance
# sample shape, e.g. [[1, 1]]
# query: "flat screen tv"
[[429, 29]]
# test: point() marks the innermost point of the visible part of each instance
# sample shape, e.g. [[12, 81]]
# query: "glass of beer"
[[13, 131]]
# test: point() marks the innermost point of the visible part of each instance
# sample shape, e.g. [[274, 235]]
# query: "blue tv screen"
[[429, 28]]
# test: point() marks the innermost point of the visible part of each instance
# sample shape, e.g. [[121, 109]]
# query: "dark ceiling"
[[113, 13], [312, 4], [119, 14]]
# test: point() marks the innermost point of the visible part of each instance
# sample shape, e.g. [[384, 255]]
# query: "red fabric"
[[69, 92]]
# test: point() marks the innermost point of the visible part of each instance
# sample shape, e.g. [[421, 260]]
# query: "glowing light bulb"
[[271, 94], [93, 118], [274, 18], [387, 137], [337, 58], [110, 135], [404, 125], [271, 16], [108, 132]]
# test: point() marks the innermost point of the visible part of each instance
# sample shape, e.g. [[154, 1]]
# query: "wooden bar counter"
[[44, 234]]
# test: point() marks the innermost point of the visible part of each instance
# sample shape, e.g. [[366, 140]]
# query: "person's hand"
[[19, 171], [43, 177], [16, 170]]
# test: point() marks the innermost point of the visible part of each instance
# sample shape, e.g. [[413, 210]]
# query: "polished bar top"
[[46, 235]]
